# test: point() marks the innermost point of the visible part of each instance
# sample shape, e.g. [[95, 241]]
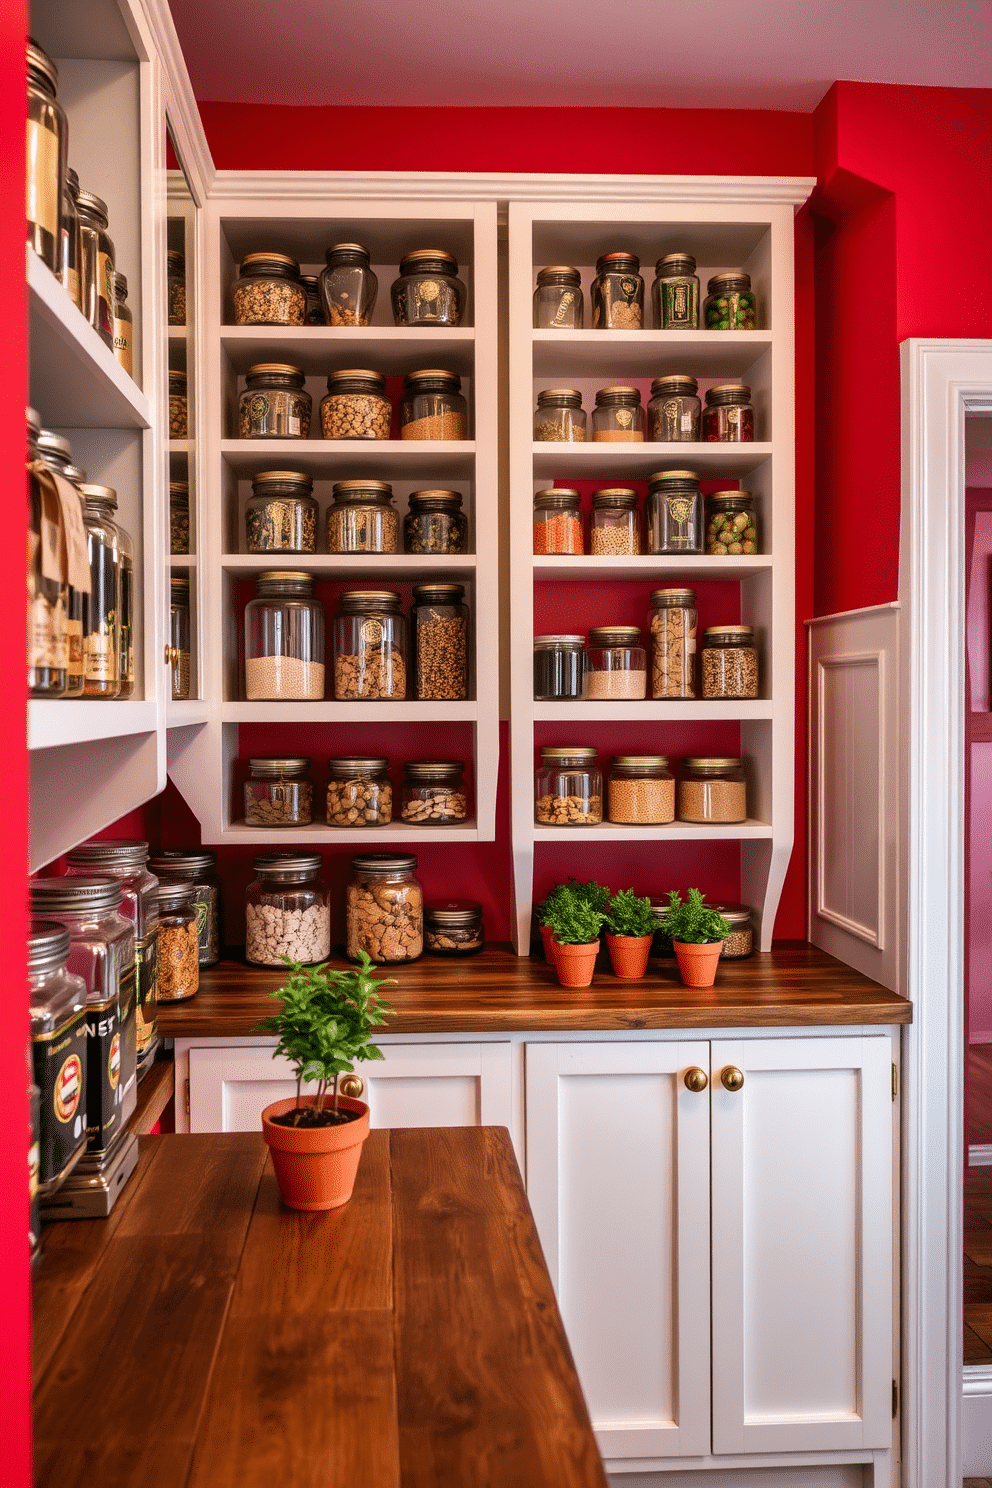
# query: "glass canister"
[[617, 294], [712, 790], [281, 513], [275, 403], [287, 910], [268, 291], [740, 942], [568, 787], [673, 643], [435, 523], [348, 285], [615, 529], [559, 416], [674, 409], [70, 256], [99, 261], [178, 406], [433, 407], [279, 792], [453, 927], [673, 512], [123, 326], [58, 1050], [558, 521], [356, 406], [362, 518], [616, 664], [56, 453], [176, 287], [48, 591], [439, 632], [197, 867], [618, 416], [103, 500], [433, 792], [730, 303], [178, 942], [102, 606], [558, 667], [732, 526], [315, 308], [428, 290], [359, 792], [47, 147], [180, 646], [729, 662], [728, 416], [284, 638], [640, 790], [558, 299], [675, 293], [178, 518], [369, 646], [384, 908]]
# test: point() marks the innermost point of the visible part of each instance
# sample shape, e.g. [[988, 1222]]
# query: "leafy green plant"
[[597, 896], [573, 918], [627, 914], [693, 922]]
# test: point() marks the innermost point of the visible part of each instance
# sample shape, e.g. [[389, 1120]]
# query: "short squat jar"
[[356, 406], [730, 304], [180, 638], [558, 521], [359, 792], [428, 290], [348, 285], [362, 518], [453, 927], [433, 793], [732, 523], [279, 792], [728, 416], [178, 518], [176, 287], [615, 529], [740, 942], [435, 523], [268, 291], [558, 299], [275, 403], [287, 910], [675, 293], [197, 868], [640, 790], [370, 646], [439, 637], [712, 790], [281, 513], [178, 941], [284, 639], [673, 512], [568, 787], [729, 662], [433, 406], [559, 417], [558, 667], [618, 416], [58, 1047], [673, 624], [384, 908], [98, 260], [617, 294], [615, 664], [674, 409], [178, 406], [47, 144]]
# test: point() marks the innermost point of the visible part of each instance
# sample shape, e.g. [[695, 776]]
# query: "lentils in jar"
[[356, 406], [615, 530], [268, 291], [730, 304], [558, 299], [674, 409], [618, 416], [729, 662], [728, 416], [640, 790], [558, 521], [359, 792], [712, 790], [435, 523], [275, 403], [362, 518], [428, 290], [348, 285], [617, 293], [281, 513], [433, 406]]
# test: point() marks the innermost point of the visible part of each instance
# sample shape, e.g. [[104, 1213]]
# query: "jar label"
[[103, 1024], [122, 344], [43, 177], [70, 280], [59, 1060], [100, 657], [628, 287], [294, 424], [145, 990], [105, 282], [49, 553], [75, 633], [48, 645], [77, 568], [686, 423], [565, 304], [678, 305], [624, 417]]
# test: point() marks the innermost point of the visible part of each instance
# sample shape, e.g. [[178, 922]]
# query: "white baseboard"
[[980, 1155], [976, 1421]]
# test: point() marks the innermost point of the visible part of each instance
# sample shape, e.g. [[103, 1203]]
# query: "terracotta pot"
[[547, 937], [629, 955], [575, 963], [316, 1166], [697, 963]]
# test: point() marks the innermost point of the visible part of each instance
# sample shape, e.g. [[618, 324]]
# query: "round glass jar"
[[433, 407], [176, 286], [279, 792], [102, 606], [362, 518], [123, 326], [732, 525], [712, 790], [180, 650], [71, 251], [178, 406], [616, 663], [730, 304], [178, 942], [281, 513], [268, 291], [196, 867], [674, 409], [48, 143], [287, 910], [384, 908], [370, 648], [57, 455], [348, 286], [673, 512], [558, 521], [728, 416], [435, 523], [559, 416], [428, 290], [48, 592], [356, 406], [675, 293], [359, 792], [729, 662], [178, 518], [618, 416], [58, 1052], [558, 667], [104, 498], [558, 299], [98, 260], [275, 403], [439, 634], [740, 942], [315, 309], [433, 792], [453, 927], [615, 529], [617, 293], [568, 787], [284, 639], [673, 643], [640, 790]]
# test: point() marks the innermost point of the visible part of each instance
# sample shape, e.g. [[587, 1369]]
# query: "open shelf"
[[554, 461], [628, 354], [652, 710], [672, 832], [330, 711], [318, 349], [54, 722], [416, 566], [396, 459], [669, 566], [402, 832]]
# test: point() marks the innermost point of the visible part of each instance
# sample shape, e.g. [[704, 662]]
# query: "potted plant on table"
[[576, 921], [698, 932], [630, 927], [592, 893], [324, 1025]]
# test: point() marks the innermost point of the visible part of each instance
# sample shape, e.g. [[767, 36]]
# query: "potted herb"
[[324, 1025], [698, 933], [592, 893], [630, 927], [576, 917]]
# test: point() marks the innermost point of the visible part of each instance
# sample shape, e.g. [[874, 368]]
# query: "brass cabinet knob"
[[732, 1078], [695, 1079], [351, 1085], [171, 655]]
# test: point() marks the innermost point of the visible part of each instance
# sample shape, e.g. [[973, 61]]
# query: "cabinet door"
[[802, 1245], [618, 1179]]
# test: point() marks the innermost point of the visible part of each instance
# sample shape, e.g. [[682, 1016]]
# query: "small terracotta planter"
[[547, 937], [316, 1166], [629, 955], [697, 963], [575, 963]]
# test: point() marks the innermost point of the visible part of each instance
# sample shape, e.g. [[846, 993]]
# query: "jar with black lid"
[[384, 908], [281, 513], [674, 409], [558, 520], [673, 512], [359, 792], [47, 146], [99, 261], [268, 291], [315, 309], [48, 591], [433, 406], [618, 416], [70, 255], [369, 646], [439, 633], [615, 529], [102, 617], [568, 787], [176, 286], [356, 406], [58, 1050], [196, 867], [123, 326], [180, 638], [730, 303], [433, 793], [275, 403], [559, 416], [617, 294], [729, 415], [287, 910], [558, 667], [348, 285], [435, 523], [284, 639], [615, 664], [428, 290], [279, 792], [729, 662], [178, 405], [558, 299], [740, 942], [178, 941], [453, 927], [673, 623], [675, 293]]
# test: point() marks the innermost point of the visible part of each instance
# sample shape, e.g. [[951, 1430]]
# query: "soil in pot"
[[309, 1116], [315, 1165]]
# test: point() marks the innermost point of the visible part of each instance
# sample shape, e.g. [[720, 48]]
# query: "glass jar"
[[615, 529], [674, 409], [616, 664], [728, 416], [284, 639], [433, 793], [428, 291], [661, 945], [433, 407], [558, 521], [618, 416], [279, 792], [356, 406], [48, 591], [287, 910], [617, 294], [359, 792], [70, 255], [315, 308], [123, 326], [180, 647], [48, 143], [453, 927], [729, 662], [673, 512], [362, 518], [178, 406], [435, 523], [348, 286], [740, 942], [733, 523], [281, 513], [58, 1050], [675, 293], [98, 262], [384, 908], [640, 790], [197, 867], [439, 631], [57, 455], [673, 643], [558, 299], [102, 607], [712, 790], [178, 518], [568, 787], [558, 667], [176, 287], [559, 416], [178, 942], [103, 500], [730, 302], [268, 291], [275, 403], [369, 646]]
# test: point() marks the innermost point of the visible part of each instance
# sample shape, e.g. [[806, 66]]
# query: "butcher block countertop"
[[206, 1337], [497, 992]]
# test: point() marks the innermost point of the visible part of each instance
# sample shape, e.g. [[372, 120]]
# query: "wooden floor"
[[978, 1218]]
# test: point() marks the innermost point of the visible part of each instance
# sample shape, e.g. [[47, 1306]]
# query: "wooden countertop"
[[205, 1337], [498, 992]]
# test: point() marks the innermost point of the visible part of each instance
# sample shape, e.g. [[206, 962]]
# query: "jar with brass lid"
[[433, 406], [428, 290], [123, 326], [618, 416], [712, 790], [279, 792], [348, 285], [197, 867], [674, 409], [435, 523], [359, 792], [558, 520], [315, 309], [730, 303], [673, 643], [640, 790], [728, 416], [98, 261], [356, 406], [615, 529], [370, 646], [284, 638], [178, 405], [176, 286], [453, 927], [675, 293], [48, 589], [268, 291], [439, 642], [732, 525], [275, 403], [617, 294], [740, 942], [559, 416], [102, 500], [70, 256], [102, 607], [673, 512], [47, 146], [558, 299], [729, 662], [433, 793], [362, 518], [384, 908], [180, 648], [57, 999], [615, 663], [568, 787], [281, 513]]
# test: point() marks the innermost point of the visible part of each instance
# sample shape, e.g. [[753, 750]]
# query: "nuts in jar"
[[279, 792], [356, 406], [369, 646], [453, 927], [178, 517], [568, 787], [439, 623], [287, 910], [433, 792], [559, 417], [384, 908], [362, 518], [281, 513], [268, 291], [359, 792], [275, 403]]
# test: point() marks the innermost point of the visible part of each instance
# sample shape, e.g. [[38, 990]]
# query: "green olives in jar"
[[730, 303]]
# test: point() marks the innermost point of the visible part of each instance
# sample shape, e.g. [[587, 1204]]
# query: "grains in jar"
[[435, 523], [559, 417], [196, 867], [558, 299], [428, 290], [356, 406], [729, 662], [617, 294], [433, 406], [640, 790], [673, 643], [281, 513], [674, 409], [275, 403], [558, 521], [178, 942], [268, 291], [439, 632], [615, 529], [279, 792], [618, 417], [740, 942], [712, 790], [728, 416], [568, 787], [615, 663], [732, 526], [359, 792], [284, 639]]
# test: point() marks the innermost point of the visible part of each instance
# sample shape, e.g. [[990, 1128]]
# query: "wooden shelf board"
[[647, 353], [54, 722], [592, 461], [652, 710], [318, 349], [649, 566], [671, 832], [398, 459], [330, 711], [155, 1091]]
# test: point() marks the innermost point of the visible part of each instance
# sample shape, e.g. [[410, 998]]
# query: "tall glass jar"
[[558, 299], [178, 518], [104, 501], [281, 513], [362, 518], [178, 405], [673, 623], [675, 293], [433, 406], [180, 644], [48, 591], [559, 416], [712, 790], [268, 291], [640, 790], [568, 787], [279, 792], [384, 908], [48, 143], [315, 306], [732, 525], [57, 455], [176, 287], [197, 867], [275, 403], [615, 529], [102, 609], [617, 294], [58, 1049], [287, 910], [70, 255], [673, 512], [558, 521], [558, 667], [728, 416], [616, 664], [435, 523], [439, 631], [729, 662], [618, 416], [99, 261], [284, 639], [123, 326], [433, 793], [453, 927], [359, 792], [428, 290], [348, 285], [356, 406], [730, 304], [370, 648], [674, 409], [178, 942]]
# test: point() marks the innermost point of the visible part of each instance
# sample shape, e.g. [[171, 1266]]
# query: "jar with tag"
[[453, 927], [284, 639], [275, 403], [176, 287], [348, 285], [435, 523], [370, 646], [180, 638], [123, 326], [558, 299], [615, 529], [559, 416], [196, 867], [673, 624], [673, 512], [287, 910], [675, 293], [98, 265], [58, 1049], [362, 518], [56, 453], [428, 290], [439, 634], [281, 513], [730, 303], [617, 294], [70, 257], [178, 942], [268, 291], [102, 611], [359, 792], [48, 142], [433, 406], [728, 416], [674, 409], [618, 416], [279, 792], [48, 592]]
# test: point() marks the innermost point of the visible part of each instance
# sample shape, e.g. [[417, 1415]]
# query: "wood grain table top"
[[204, 1335], [793, 985]]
